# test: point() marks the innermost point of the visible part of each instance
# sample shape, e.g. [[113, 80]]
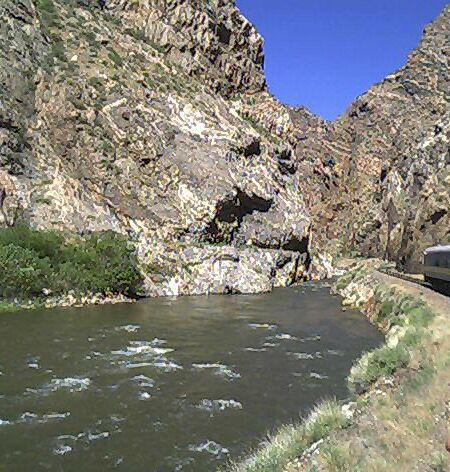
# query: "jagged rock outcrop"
[[377, 179], [152, 118], [396, 158], [130, 119], [210, 40]]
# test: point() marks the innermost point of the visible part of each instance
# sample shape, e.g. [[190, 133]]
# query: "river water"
[[168, 384]]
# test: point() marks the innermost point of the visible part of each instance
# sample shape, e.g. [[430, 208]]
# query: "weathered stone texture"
[[152, 118]]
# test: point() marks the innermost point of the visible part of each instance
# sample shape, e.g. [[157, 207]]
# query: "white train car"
[[437, 267]]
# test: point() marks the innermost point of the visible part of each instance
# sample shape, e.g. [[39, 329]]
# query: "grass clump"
[[115, 57], [51, 26], [381, 362], [290, 441], [336, 458], [404, 319], [32, 262], [47, 13]]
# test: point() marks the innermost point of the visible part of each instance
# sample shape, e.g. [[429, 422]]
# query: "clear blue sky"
[[324, 53]]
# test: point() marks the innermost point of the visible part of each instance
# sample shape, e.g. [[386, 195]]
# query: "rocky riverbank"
[[70, 299], [398, 392]]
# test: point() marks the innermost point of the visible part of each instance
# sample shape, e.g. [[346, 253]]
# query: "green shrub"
[[103, 262], [23, 272], [384, 361], [33, 260], [43, 243], [47, 13]]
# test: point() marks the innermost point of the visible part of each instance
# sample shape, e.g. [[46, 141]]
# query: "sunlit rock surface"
[[386, 160], [152, 118]]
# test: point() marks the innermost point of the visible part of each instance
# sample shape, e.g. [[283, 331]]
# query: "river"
[[168, 384]]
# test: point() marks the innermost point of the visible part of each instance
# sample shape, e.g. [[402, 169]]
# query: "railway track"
[[408, 278]]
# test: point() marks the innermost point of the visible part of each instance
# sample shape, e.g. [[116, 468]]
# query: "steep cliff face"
[[210, 40], [376, 180], [391, 194], [152, 118], [126, 115]]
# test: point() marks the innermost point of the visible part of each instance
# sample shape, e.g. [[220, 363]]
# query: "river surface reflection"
[[168, 384]]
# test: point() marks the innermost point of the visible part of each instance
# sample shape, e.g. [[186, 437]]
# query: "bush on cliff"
[[31, 261]]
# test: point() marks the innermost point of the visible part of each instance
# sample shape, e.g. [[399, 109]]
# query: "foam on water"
[[130, 328], [139, 354], [166, 365], [335, 352], [143, 381], [144, 396], [316, 337], [270, 344], [221, 405], [33, 362], [66, 443], [72, 384], [137, 348], [301, 355], [210, 447], [285, 336], [219, 369], [315, 375], [62, 449], [33, 418], [262, 326], [96, 436]]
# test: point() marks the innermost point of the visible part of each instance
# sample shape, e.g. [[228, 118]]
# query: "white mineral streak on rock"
[[173, 287]]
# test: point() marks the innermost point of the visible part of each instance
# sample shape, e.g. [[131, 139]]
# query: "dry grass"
[[290, 441], [402, 429]]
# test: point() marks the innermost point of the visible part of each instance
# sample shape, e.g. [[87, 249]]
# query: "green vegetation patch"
[[51, 25], [405, 320], [291, 441], [36, 262], [47, 13]]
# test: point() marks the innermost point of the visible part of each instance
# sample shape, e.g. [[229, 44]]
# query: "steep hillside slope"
[[125, 115], [392, 194], [377, 179]]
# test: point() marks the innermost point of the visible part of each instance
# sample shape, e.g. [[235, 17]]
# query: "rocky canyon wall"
[[127, 116], [152, 118]]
